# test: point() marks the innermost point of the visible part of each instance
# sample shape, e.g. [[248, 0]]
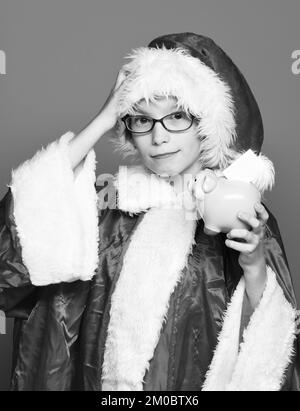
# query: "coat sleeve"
[[49, 221], [277, 260], [17, 293], [258, 350]]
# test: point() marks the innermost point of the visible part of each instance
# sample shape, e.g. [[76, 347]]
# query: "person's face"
[[185, 145]]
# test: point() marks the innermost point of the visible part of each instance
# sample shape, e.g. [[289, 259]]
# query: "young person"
[[138, 296]]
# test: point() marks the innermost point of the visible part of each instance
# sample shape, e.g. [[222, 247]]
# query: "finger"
[[247, 235], [253, 222], [242, 247], [262, 212], [122, 75]]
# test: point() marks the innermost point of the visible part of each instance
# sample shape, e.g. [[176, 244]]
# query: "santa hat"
[[206, 82]]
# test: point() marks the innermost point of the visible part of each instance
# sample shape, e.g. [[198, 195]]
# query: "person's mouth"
[[165, 155]]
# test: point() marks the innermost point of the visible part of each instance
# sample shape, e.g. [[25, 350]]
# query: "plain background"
[[63, 57]]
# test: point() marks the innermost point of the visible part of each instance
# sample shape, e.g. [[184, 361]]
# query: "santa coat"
[[135, 297]]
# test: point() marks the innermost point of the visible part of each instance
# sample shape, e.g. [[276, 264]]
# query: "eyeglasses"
[[174, 122]]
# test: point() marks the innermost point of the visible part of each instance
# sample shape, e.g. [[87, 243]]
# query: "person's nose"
[[159, 134]]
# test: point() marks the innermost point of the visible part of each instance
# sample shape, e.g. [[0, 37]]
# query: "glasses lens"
[[178, 121], [139, 124]]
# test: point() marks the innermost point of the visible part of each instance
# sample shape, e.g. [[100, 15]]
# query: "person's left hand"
[[251, 248]]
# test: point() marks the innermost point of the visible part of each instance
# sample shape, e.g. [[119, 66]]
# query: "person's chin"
[[166, 171]]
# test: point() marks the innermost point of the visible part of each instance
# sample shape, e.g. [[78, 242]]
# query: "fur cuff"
[[56, 215], [261, 360]]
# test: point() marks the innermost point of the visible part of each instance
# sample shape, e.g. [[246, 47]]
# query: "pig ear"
[[205, 182], [209, 184]]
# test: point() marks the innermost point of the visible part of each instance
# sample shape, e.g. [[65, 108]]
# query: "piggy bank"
[[220, 206]]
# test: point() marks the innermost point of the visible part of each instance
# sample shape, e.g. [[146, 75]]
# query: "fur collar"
[[140, 301], [152, 267]]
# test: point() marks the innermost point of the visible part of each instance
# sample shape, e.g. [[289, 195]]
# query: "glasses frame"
[[156, 120]]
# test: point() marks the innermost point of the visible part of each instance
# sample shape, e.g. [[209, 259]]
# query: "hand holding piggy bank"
[[236, 189], [220, 200]]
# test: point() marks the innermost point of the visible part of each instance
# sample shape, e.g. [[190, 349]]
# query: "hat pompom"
[[253, 168]]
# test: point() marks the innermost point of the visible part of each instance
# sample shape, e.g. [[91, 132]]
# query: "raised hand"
[[109, 108]]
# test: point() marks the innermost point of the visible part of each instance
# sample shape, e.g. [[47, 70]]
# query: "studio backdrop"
[[59, 60]]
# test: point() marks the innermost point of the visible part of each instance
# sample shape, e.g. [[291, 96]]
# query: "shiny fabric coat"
[[60, 329]]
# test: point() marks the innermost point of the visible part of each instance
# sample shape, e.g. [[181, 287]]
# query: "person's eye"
[[141, 120], [179, 115]]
